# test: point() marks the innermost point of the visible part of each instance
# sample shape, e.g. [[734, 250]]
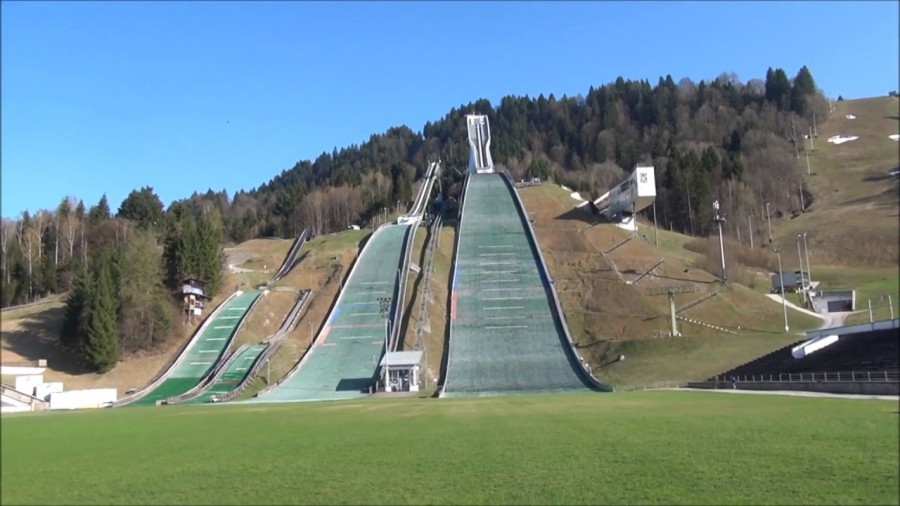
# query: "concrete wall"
[[832, 387], [28, 383], [83, 399], [856, 329]]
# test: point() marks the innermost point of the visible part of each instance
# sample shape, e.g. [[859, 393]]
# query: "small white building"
[[400, 371]]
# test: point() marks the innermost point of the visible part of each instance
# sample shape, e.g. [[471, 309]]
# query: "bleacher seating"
[[874, 351]]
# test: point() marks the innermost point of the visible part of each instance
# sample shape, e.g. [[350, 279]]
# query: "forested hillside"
[[721, 139]]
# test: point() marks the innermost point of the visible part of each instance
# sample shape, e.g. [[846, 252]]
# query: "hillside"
[[608, 316], [852, 226]]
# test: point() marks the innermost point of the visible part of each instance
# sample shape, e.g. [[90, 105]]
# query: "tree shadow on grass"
[[36, 337], [883, 177], [582, 215]]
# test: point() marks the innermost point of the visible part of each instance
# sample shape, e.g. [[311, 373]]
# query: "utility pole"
[[811, 141], [808, 172], [794, 140], [802, 205], [783, 305], [800, 257], [815, 132], [719, 220], [655, 231], [769, 221], [387, 370], [750, 219], [806, 251]]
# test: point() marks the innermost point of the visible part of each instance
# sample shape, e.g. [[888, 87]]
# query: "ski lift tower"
[[671, 291]]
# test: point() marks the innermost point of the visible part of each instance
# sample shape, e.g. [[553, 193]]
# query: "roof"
[[402, 358]]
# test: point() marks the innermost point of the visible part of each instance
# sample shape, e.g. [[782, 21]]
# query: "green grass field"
[[621, 448]]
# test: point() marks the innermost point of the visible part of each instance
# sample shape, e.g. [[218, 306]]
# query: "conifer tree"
[[101, 344], [76, 309]]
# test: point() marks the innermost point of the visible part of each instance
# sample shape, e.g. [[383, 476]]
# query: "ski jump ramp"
[[200, 357], [342, 362], [507, 331]]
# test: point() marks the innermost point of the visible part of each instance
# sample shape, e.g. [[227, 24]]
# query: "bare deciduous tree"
[[7, 232]]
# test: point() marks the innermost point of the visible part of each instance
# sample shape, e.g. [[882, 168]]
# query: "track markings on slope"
[[503, 307], [215, 339], [364, 314], [507, 327], [494, 254], [496, 245], [224, 327], [502, 298]]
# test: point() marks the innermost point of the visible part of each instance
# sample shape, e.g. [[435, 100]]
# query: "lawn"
[[621, 448]]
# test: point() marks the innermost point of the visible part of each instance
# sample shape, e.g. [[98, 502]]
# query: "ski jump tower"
[[621, 204], [479, 144]]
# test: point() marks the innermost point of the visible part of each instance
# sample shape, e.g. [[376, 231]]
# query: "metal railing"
[[656, 385], [838, 376]]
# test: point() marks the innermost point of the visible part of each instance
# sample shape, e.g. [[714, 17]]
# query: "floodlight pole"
[[719, 220], [781, 279], [769, 221]]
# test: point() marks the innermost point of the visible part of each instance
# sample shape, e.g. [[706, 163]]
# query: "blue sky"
[[107, 97]]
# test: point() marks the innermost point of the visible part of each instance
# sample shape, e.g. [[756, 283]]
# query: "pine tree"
[[101, 344], [100, 212], [75, 312], [209, 256]]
